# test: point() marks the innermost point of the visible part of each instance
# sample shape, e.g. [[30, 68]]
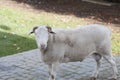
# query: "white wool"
[[76, 44], [70, 45]]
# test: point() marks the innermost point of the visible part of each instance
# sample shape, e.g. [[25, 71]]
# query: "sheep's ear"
[[50, 30], [33, 30]]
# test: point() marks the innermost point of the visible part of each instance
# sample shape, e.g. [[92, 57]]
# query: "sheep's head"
[[42, 35]]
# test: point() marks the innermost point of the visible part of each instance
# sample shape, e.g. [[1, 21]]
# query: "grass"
[[116, 43], [16, 24]]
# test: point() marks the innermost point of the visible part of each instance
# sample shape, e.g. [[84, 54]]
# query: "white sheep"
[[70, 45]]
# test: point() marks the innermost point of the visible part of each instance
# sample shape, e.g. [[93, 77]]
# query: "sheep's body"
[[72, 45], [76, 44]]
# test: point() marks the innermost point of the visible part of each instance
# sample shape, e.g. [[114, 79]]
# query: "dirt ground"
[[94, 12]]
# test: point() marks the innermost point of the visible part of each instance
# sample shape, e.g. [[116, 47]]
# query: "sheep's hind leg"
[[97, 58], [110, 59]]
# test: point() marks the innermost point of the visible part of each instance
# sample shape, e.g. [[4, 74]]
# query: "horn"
[[33, 30], [50, 29]]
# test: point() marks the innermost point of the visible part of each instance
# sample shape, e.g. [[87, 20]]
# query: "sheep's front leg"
[[52, 70]]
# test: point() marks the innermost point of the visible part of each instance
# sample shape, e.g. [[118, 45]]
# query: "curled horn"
[[33, 30], [50, 30]]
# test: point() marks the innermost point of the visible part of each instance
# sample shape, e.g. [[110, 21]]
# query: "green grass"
[[16, 23], [116, 43]]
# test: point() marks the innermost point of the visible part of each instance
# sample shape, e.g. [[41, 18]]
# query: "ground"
[[29, 66], [91, 12], [109, 14]]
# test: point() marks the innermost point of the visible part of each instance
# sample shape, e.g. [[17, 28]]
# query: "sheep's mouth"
[[44, 49]]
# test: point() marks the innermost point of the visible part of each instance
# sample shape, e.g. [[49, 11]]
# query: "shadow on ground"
[[4, 27], [108, 14], [13, 43]]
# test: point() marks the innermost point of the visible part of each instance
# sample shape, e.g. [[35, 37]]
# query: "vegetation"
[[16, 24]]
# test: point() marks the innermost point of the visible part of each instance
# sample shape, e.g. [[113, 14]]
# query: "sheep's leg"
[[52, 70], [110, 59], [97, 58]]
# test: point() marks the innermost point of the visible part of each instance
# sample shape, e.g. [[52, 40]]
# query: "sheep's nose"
[[43, 46]]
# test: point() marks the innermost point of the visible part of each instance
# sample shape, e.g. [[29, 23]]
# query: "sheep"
[[71, 45]]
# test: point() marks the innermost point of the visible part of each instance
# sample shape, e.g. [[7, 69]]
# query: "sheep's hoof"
[[93, 78]]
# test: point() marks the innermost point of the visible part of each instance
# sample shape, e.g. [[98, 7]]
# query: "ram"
[[70, 45]]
